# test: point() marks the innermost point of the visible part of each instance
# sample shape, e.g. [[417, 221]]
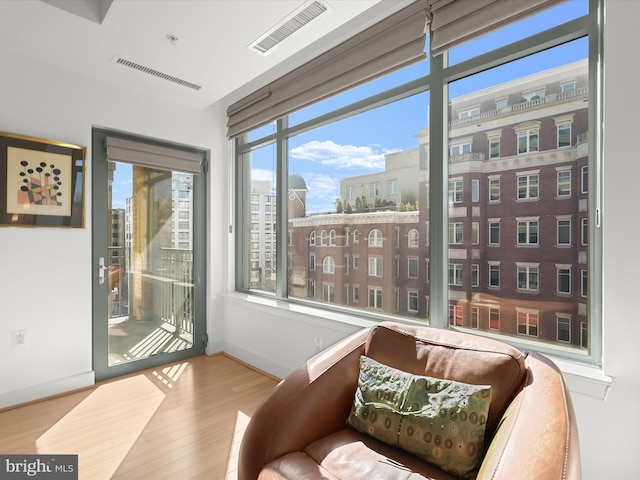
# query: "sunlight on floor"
[[170, 374], [109, 420], [242, 420]]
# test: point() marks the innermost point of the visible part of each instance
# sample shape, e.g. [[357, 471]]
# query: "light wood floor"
[[178, 421]]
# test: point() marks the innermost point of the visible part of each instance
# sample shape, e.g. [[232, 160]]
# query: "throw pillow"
[[440, 421]]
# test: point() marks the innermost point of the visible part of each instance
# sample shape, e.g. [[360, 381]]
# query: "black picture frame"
[[42, 182]]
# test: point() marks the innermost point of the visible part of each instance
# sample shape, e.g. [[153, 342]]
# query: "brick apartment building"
[[518, 196]]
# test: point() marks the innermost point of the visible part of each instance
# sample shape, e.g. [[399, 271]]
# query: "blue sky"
[[357, 145]]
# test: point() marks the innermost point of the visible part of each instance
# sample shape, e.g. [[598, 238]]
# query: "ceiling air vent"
[[292, 23], [151, 71]]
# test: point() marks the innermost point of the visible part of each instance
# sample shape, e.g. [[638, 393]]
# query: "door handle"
[[101, 269]]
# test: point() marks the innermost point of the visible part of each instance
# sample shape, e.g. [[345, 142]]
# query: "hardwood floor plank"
[[182, 420]]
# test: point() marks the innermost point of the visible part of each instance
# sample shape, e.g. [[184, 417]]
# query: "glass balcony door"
[[146, 240]]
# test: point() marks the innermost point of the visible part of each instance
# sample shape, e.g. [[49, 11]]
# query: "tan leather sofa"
[[300, 431]]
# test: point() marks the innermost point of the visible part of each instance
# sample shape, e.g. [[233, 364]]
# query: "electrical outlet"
[[19, 339], [318, 342]]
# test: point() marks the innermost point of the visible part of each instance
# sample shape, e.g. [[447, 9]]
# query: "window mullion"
[[438, 193], [282, 247]]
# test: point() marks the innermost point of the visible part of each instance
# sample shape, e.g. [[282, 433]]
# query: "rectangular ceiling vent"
[[151, 71], [293, 22]]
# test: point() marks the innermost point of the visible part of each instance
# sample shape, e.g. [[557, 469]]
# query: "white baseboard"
[[47, 389], [265, 364]]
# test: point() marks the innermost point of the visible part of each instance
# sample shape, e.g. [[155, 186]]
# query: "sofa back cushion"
[[452, 355]]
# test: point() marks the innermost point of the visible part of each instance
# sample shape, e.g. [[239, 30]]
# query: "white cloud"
[[338, 156], [322, 192]]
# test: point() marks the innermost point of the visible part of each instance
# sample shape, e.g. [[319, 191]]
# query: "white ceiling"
[[211, 49]]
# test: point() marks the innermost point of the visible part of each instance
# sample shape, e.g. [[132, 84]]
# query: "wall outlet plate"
[[19, 339]]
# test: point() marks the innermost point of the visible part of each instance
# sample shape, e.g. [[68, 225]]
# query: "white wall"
[[278, 340], [41, 101], [45, 273]]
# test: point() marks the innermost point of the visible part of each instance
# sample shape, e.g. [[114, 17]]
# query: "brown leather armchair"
[[300, 431]]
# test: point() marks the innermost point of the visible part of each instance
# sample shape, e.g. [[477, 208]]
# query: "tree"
[[339, 206]]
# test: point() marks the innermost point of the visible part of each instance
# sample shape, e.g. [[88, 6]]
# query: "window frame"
[[440, 74]]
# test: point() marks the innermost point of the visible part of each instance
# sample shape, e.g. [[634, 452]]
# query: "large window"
[[375, 174]]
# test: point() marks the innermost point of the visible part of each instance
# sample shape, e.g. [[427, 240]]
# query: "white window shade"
[[153, 156], [453, 22]]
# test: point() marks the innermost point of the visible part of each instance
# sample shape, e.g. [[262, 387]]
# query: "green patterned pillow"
[[440, 421]]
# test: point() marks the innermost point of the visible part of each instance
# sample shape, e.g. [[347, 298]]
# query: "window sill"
[[581, 378], [584, 379]]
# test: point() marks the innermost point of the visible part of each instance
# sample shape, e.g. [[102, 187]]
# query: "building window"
[[456, 315], [311, 289], [494, 318], [312, 238], [412, 301], [564, 279], [413, 238], [584, 179], [494, 275], [528, 186], [475, 233], [563, 329], [494, 233], [455, 191], [470, 112], [356, 262], [323, 238], [564, 232], [396, 266], [584, 284], [528, 277], [375, 238], [475, 315], [375, 266], [393, 187], [356, 236], [312, 261], [375, 298], [564, 183], [349, 192], [455, 274], [356, 293], [460, 149], [494, 189], [584, 231], [332, 238], [527, 323], [475, 275], [328, 293], [528, 232], [455, 233], [564, 134], [568, 86], [412, 267], [374, 190], [328, 265], [494, 147], [528, 140], [475, 190]]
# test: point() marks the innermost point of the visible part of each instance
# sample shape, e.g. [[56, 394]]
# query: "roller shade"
[[392, 43], [453, 22], [153, 156]]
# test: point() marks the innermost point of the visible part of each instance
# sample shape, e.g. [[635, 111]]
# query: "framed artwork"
[[41, 182]]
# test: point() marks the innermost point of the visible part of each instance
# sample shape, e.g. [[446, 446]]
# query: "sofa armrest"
[[537, 436], [308, 404]]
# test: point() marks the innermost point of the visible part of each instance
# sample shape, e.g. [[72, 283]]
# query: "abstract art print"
[[43, 180]]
